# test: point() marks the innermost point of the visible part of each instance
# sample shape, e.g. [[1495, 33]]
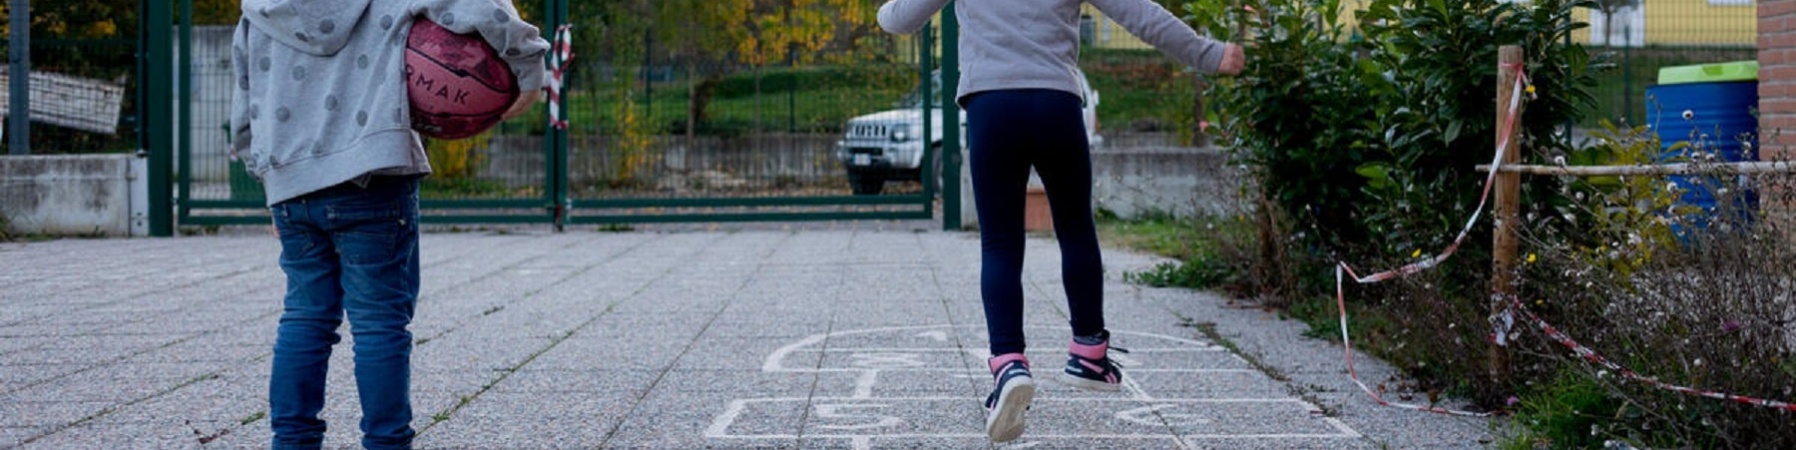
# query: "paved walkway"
[[838, 337]]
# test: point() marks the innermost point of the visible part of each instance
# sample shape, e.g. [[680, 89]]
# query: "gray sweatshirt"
[[1034, 44], [321, 96]]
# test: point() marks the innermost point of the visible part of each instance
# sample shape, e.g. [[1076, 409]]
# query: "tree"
[[92, 19], [723, 34]]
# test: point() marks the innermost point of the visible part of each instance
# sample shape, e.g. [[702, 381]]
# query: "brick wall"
[[1777, 99]]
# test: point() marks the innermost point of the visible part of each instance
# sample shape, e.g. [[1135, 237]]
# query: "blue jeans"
[[1009, 132], [347, 249]]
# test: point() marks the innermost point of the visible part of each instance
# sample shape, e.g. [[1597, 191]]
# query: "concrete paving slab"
[[849, 336], [20, 412], [14, 436], [574, 382]]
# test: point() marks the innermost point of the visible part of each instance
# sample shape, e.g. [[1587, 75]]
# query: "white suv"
[[888, 145]]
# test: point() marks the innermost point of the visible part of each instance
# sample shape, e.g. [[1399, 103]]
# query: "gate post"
[[1507, 189], [19, 86], [154, 44], [555, 141], [951, 188]]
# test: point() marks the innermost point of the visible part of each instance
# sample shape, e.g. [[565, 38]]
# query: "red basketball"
[[457, 83]]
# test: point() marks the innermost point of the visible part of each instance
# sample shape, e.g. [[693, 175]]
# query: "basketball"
[[457, 83]]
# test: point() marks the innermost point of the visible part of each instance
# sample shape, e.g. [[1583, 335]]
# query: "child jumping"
[[320, 115], [1019, 87]]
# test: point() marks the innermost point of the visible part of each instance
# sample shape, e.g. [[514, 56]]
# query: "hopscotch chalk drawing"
[[910, 386]]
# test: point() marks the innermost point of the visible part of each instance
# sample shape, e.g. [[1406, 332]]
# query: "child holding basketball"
[[320, 115], [1019, 61]]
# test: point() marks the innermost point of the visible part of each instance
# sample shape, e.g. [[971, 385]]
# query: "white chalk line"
[[775, 361]]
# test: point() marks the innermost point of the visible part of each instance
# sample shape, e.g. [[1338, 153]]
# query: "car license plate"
[[863, 159]]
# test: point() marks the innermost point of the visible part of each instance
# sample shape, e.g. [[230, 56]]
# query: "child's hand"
[[1233, 60], [525, 100]]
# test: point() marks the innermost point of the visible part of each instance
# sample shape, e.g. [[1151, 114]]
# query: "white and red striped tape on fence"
[[1506, 319], [559, 55]]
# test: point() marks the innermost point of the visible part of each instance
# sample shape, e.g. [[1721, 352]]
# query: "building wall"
[[1107, 33], [1677, 22], [1777, 99]]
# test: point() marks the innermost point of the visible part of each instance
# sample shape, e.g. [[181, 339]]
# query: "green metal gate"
[[671, 118]]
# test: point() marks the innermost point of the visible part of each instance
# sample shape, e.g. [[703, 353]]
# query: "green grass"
[[1202, 259], [1139, 87], [1568, 413], [1160, 235]]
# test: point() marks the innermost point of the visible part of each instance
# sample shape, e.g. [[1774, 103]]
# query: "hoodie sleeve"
[[1158, 27], [907, 16], [240, 135], [519, 42]]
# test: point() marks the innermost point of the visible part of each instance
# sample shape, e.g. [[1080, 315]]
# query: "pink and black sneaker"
[[1089, 366], [1013, 389]]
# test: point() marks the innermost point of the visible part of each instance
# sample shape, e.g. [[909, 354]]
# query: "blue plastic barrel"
[[1717, 120]]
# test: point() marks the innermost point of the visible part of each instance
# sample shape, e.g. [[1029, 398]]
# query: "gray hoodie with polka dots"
[[321, 95]]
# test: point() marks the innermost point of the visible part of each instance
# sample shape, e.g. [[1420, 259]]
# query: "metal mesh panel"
[[653, 119], [1645, 36], [209, 169], [496, 176]]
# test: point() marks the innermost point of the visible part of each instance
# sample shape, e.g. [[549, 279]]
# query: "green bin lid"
[[1710, 73]]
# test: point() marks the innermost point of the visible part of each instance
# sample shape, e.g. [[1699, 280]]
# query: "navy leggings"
[[1008, 132]]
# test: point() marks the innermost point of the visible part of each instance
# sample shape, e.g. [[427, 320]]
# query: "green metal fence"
[[660, 130], [665, 125], [1638, 37]]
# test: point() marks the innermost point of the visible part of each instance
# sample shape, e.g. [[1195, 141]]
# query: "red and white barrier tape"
[[1504, 135], [1598, 359], [1346, 342], [558, 59]]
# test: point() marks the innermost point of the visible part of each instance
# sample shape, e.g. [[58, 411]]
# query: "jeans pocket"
[[370, 232], [296, 241]]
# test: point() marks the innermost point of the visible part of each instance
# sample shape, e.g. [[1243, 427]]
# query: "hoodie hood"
[[317, 27]]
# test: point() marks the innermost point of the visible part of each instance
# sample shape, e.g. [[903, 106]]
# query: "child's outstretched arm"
[[1158, 27], [907, 16]]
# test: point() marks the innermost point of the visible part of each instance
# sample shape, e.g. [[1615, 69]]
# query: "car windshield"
[[914, 99]]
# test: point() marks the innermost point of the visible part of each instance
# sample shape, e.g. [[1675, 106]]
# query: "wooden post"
[[1508, 199]]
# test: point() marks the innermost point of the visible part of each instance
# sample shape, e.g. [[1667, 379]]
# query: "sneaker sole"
[[1092, 385], [1005, 423]]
